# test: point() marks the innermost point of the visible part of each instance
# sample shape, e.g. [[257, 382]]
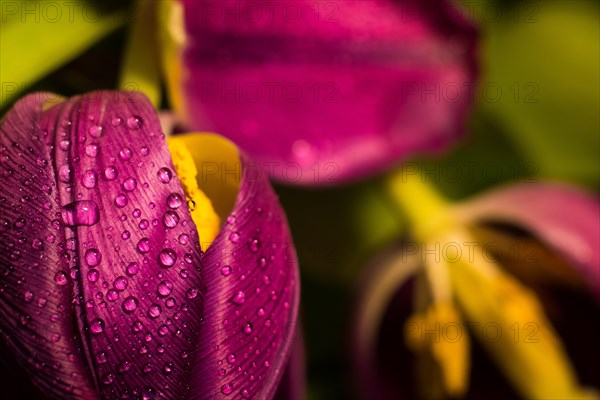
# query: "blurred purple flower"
[[105, 291], [322, 92], [523, 260]]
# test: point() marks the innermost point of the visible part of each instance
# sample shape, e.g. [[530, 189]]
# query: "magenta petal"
[[323, 92], [139, 286], [38, 312], [564, 217], [293, 382], [251, 302]]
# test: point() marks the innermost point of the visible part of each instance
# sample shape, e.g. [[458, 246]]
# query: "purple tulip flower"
[[321, 92], [497, 297], [107, 291]]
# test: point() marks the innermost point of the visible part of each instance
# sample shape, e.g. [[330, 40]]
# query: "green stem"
[[140, 70], [426, 209]]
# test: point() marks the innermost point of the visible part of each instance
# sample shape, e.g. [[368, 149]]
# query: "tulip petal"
[[251, 302], [563, 217], [293, 382], [322, 92], [136, 245], [38, 312]]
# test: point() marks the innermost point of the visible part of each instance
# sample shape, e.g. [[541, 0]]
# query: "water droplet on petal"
[[96, 131], [93, 257], [89, 179], [239, 298], [132, 269], [60, 278], [97, 326], [65, 173], [129, 184], [143, 245], [226, 270], [226, 389], [164, 175], [167, 257], [125, 154], [175, 200], [164, 288], [121, 200], [170, 219], [130, 304], [82, 212], [92, 150], [110, 173], [234, 237], [134, 122], [154, 311], [121, 283]]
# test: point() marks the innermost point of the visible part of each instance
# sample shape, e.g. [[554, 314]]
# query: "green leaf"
[[37, 37]]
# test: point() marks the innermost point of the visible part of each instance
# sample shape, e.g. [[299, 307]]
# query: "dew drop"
[[110, 173], [92, 150], [95, 131], [192, 293], [112, 295], [174, 200], [164, 175], [121, 283], [154, 311], [132, 269], [226, 270], [254, 245], [60, 278], [183, 239], [65, 173], [239, 298], [92, 257], [82, 212], [134, 122], [89, 179], [65, 145], [130, 304], [226, 389], [167, 258], [143, 245], [129, 184], [97, 326], [231, 358], [164, 288], [170, 219], [125, 154], [93, 275], [234, 237]]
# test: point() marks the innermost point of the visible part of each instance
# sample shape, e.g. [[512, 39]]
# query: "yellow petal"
[[210, 193]]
